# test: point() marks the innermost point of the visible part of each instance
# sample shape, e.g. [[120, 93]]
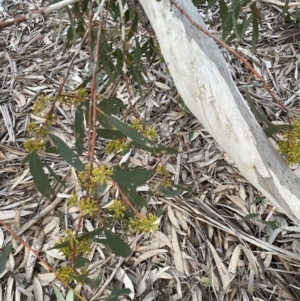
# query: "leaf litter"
[[206, 248]]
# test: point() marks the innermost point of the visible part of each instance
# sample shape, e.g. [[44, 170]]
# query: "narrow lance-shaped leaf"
[[40, 179], [117, 245], [254, 110], [255, 31], [80, 262], [110, 134], [274, 128], [138, 53], [250, 216], [3, 257], [246, 23], [67, 154], [287, 2], [132, 178], [53, 174], [169, 192], [111, 105], [135, 199], [272, 224], [137, 138]]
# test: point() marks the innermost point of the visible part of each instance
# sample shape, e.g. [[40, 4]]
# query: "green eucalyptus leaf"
[[135, 199], [255, 31], [254, 110], [116, 244], [132, 178], [93, 233], [138, 139], [53, 174], [197, 2], [40, 179], [4, 257], [111, 105], [258, 200], [80, 262], [272, 224], [250, 216], [110, 134], [26, 159], [67, 154], [274, 128], [138, 53], [51, 150], [246, 23]]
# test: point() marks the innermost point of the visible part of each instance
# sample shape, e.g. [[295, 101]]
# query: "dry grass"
[[203, 250]]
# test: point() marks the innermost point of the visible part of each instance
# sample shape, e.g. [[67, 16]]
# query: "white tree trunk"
[[203, 80]]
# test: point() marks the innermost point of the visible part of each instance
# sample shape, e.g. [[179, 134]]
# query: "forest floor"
[[216, 243]]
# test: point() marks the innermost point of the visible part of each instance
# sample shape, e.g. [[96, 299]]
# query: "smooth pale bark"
[[203, 80]]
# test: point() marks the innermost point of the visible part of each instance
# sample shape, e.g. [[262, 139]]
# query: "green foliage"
[[115, 243], [3, 257], [116, 292], [132, 178], [271, 224], [290, 146], [138, 139], [67, 154], [70, 245], [271, 128], [234, 22], [119, 133], [130, 59], [39, 177]]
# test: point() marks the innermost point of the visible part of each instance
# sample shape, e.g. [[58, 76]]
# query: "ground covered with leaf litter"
[[218, 243]]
